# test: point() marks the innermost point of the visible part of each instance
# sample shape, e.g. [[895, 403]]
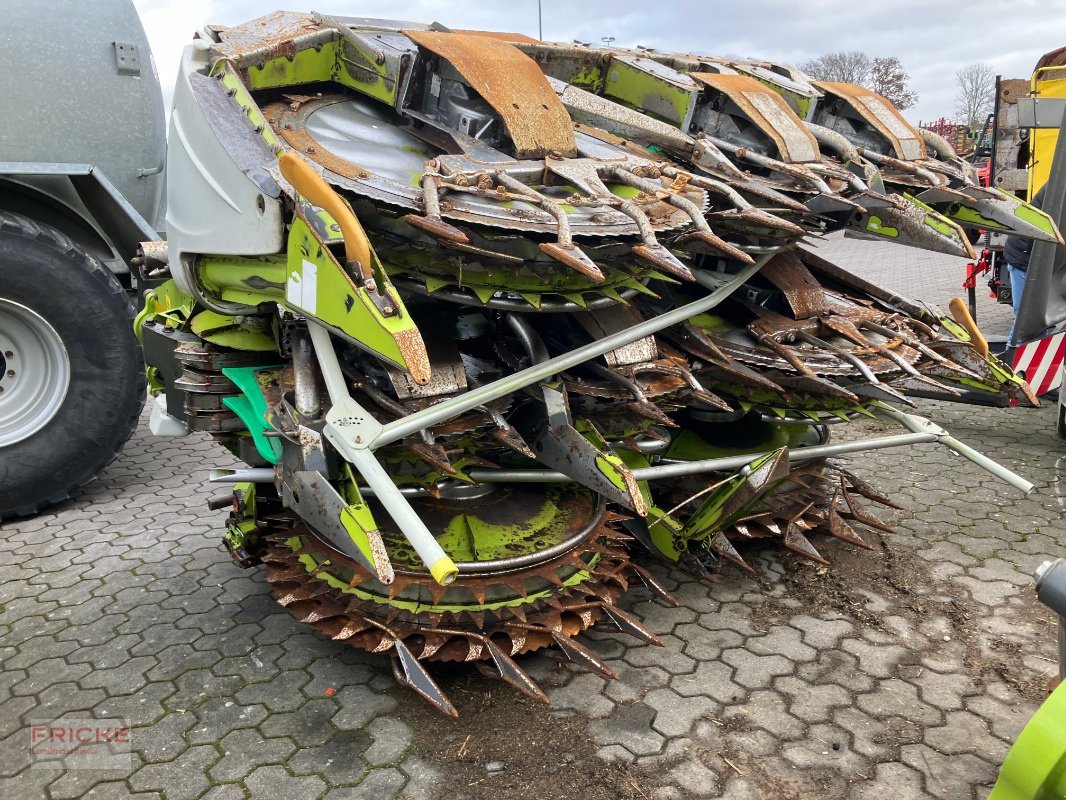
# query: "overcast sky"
[[932, 39]]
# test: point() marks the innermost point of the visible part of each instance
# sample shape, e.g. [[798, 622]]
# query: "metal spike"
[[582, 656], [926, 351], [437, 227], [509, 672], [715, 244], [574, 258], [653, 585], [799, 544], [410, 673], [627, 623], [840, 529], [432, 223], [434, 455], [659, 256], [866, 490], [860, 514], [721, 545]]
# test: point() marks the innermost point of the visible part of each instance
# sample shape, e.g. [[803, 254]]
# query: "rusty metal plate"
[[769, 111], [882, 115], [510, 82]]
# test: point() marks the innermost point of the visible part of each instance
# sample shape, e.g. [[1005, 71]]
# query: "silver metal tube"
[[254, 475], [266, 475], [728, 464], [534, 374], [350, 445], [913, 422], [308, 402], [986, 463], [327, 362]]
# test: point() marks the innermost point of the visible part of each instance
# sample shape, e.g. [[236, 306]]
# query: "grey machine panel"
[[79, 86]]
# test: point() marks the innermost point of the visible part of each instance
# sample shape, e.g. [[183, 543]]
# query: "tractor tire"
[[71, 373]]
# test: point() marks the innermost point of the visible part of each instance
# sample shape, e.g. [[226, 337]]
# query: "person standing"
[[1016, 253]]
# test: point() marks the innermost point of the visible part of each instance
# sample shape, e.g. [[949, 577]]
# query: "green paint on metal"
[[712, 514], [241, 527], [801, 104], [469, 538], [712, 323], [648, 93], [319, 287], [238, 333], [625, 192], [251, 406], [937, 221], [155, 382], [589, 77], [360, 70], [166, 304], [687, 445], [310, 65], [1035, 767], [1037, 218], [245, 280], [970, 216], [356, 517], [877, 225]]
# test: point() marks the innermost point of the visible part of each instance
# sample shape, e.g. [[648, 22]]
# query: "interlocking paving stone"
[[122, 603]]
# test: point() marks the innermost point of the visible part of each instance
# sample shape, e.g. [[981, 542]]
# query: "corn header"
[[493, 322]]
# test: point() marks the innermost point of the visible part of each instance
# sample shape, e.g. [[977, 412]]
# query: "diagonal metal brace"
[[919, 424], [440, 412], [350, 428]]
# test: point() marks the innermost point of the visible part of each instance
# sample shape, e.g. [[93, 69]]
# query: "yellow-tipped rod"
[[314, 188], [961, 313], [350, 428]]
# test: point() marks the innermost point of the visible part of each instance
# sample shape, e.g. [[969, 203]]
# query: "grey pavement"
[[930, 277], [904, 672]]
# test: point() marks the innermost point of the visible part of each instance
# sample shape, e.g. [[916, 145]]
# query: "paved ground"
[[903, 672]]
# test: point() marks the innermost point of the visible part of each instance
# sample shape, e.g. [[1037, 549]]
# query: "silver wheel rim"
[[34, 372]]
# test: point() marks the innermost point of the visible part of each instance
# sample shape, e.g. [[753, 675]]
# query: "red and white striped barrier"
[[1041, 361]]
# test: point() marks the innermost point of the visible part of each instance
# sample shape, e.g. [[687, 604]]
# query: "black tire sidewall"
[[87, 307]]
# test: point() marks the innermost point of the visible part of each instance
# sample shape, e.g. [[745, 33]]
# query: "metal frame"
[[115, 215], [355, 433]]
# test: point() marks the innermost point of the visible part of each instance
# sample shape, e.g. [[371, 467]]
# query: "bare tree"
[[846, 67], [888, 78], [976, 87]]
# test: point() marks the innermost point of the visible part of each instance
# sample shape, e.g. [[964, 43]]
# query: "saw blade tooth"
[[352, 627]]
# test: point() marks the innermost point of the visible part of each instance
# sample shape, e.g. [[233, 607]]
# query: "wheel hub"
[[35, 373]]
